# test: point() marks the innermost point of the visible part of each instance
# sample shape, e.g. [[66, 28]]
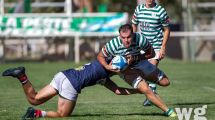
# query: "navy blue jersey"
[[87, 75]]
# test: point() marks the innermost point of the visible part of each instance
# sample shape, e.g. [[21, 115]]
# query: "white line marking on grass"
[[209, 88]]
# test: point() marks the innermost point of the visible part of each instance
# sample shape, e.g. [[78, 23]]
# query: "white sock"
[[43, 113], [152, 85]]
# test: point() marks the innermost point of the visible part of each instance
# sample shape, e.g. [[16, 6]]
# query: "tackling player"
[[68, 85]]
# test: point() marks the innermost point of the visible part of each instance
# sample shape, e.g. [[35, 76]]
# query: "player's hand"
[[116, 70], [162, 53], [110, 68]]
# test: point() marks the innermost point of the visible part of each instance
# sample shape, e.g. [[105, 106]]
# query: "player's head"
[[126, 34], [150, 2]]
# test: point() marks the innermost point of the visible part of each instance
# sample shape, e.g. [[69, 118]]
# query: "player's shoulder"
[[116, 41], [93, 66], [160, 8], [139, 38], [139, 35], [93, 63], [140, 7]]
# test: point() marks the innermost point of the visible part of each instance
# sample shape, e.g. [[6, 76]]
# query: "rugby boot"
[[14, 72]]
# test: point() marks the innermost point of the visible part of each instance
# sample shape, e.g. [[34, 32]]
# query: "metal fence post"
[[77, 48]]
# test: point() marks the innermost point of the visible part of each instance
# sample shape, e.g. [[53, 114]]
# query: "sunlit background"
[[75, 30]]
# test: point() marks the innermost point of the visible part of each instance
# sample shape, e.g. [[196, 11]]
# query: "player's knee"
[[63, 114], [164, 82], [117, 92], [33, 102], [145, 90], [37, 98], [167, 83]]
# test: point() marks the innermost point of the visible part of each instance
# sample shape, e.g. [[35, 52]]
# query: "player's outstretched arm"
[[109, 84]]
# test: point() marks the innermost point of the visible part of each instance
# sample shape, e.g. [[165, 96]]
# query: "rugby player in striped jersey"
[[130, 45], [154, 25]]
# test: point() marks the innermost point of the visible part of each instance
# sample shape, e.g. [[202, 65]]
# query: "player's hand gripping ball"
[[119, 62]]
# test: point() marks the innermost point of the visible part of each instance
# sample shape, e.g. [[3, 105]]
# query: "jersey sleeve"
[[134, 17], [143, 42], [107, 50], [164, 18]]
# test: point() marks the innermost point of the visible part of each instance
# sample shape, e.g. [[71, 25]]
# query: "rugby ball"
[[119, 62]]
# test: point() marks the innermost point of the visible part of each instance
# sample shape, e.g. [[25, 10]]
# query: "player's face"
[[126, 37], [150, 2]]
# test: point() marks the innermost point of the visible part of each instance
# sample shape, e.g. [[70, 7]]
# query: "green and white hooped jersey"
[[151, 21], [115, 46]]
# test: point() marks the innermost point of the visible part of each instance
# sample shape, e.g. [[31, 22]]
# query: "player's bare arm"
[[165, 39], [101, 59], [134, 26], [109, 84]]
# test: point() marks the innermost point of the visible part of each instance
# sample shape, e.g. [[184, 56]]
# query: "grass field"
[[192, 85]]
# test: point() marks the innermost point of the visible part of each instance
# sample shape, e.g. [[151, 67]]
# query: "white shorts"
[[65, 89], [145, 66]]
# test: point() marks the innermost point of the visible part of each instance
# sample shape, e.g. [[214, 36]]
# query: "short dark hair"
[[126, 27]]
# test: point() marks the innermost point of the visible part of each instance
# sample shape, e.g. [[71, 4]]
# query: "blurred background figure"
[[19, 8], [22, 6], [86, 5], [90, 6], [82, 5]]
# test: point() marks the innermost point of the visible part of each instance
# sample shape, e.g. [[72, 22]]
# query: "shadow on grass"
[[130, 114]]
